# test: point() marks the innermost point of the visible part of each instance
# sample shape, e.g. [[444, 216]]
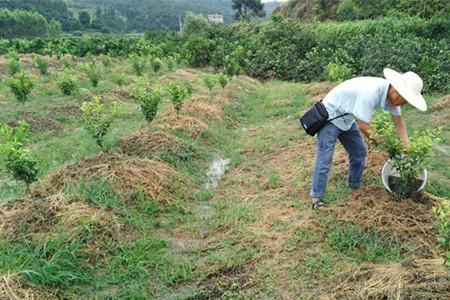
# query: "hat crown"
[[413, 82]]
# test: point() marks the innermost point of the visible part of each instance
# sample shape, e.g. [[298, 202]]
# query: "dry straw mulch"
[[43, 219], [210, 112], [128, 175], [156, 144], [192, 126], [412, 280], [39, 124], [442, 104], [409, 221], [12, 287]]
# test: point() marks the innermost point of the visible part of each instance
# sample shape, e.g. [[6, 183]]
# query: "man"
[[358, 98]]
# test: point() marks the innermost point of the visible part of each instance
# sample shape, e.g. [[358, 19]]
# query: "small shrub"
[[97, 119], [177, 94], [18, 161], [13, 64], [337, 72], [138, 64], [92, 72], [442, 224], [66, 62], [149, 101], [106, 60], [67, 82], [188, 87], [208, 81], [21, 86], [42, 65], [118, 78], [156, 64], [223, 80], [171, 63]]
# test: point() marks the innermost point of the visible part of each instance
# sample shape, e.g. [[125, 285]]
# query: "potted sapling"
[[405, 172]]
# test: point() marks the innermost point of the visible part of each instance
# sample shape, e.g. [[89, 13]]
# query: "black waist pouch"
[[315, 118]]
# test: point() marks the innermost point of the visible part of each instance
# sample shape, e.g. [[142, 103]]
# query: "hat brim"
[[396, 80]]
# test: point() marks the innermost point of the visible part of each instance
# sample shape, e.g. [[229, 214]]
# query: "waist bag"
[[316, 118]]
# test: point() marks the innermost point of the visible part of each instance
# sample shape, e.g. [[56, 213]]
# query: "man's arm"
[[364, 127], [400, 127]]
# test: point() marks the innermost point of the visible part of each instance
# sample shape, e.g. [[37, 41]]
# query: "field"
[[139, 222]]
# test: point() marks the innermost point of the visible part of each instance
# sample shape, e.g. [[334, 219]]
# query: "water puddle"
[[216, 170]]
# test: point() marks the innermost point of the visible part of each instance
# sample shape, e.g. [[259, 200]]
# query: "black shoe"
[[318, 204]]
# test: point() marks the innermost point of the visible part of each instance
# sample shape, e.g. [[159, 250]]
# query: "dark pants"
[[353, 143]]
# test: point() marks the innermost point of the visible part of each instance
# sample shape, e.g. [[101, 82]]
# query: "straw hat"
[[409, 85]]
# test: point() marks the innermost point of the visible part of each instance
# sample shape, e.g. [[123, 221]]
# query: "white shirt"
[[359, 97]]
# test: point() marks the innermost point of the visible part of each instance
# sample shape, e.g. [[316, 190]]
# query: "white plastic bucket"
[[389, 170]]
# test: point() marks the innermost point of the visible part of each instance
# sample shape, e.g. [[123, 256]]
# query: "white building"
[[215, 18]]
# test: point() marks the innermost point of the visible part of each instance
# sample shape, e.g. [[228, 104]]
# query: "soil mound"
[[42, 219], [128, 175], [157, 144], [409, 221], [442, 104], [192, 126], [12, 287], [209, 112], [419, 279], [39, 124]]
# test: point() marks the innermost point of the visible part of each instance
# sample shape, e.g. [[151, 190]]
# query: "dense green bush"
[[67, 82]]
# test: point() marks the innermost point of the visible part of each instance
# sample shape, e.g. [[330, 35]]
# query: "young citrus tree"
[[171, 63], [208, 80], [14, 64], [106, 60], [156, 64], [92, 72], [138, 64], [21, 86], [188, 87], [222, 79], [67, 82], [149, 101], [97, 119], [17, 160], [177, 94], [42, 65]]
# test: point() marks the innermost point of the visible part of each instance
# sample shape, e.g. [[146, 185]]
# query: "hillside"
[[361, 9], [141, 15]]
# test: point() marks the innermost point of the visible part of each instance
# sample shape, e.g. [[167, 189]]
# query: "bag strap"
[[337, 117], [343, 115]]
